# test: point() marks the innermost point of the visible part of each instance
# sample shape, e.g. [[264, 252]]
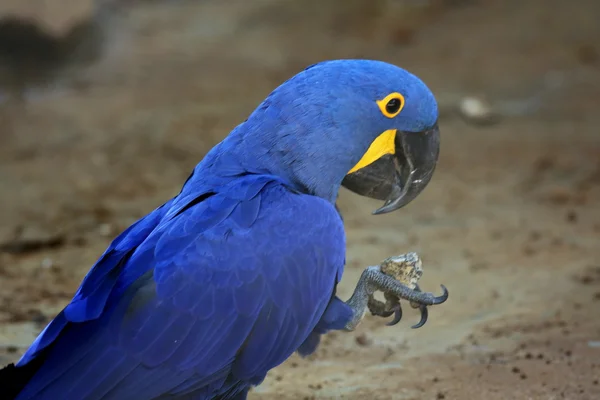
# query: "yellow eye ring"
[[391, 105]]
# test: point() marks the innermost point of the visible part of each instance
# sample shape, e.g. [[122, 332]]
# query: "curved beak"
[[399, 177]]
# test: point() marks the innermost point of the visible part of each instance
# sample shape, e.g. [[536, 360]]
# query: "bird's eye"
[[391, 105]]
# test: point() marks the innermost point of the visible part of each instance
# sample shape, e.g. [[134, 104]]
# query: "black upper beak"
[[399, 178]]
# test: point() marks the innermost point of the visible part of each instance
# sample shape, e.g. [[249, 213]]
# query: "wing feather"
[[233, 285]]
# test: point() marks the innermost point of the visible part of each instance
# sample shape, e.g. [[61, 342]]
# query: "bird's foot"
[[392, 306], [397, 278]]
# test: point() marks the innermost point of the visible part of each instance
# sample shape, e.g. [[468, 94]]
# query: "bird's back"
[[223, 288]]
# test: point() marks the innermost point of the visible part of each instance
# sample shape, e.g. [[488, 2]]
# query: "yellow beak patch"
[[384, 144]]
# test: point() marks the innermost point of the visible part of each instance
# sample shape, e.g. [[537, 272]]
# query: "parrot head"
[[366, 125], [400, 161]]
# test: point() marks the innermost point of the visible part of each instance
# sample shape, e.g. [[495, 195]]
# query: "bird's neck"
[[245, 152]]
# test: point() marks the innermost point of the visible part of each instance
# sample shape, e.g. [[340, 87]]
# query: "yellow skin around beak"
[[384, 144]]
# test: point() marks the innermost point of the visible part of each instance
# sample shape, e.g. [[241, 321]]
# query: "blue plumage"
[[207, 293], [234, 290]]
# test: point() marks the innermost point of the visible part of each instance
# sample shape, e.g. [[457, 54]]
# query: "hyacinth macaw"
[[203, 296]]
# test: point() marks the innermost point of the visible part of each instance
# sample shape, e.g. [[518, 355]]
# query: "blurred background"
[[106, 106]]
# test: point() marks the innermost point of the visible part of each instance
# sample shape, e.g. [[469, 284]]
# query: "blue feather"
[[189, 311]]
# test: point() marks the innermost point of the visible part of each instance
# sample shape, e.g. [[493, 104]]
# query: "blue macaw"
[[203, 296]]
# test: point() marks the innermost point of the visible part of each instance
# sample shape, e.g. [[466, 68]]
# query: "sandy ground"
[[510, 223]]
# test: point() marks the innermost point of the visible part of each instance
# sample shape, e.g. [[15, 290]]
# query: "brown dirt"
[[510, 223]]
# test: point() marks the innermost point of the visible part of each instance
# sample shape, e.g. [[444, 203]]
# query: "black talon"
[[442, 298], [424, 315], [431, 300], [397, 315]]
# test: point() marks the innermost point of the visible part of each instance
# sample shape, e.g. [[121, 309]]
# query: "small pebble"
[[105, 230], [363, 340], [47, 263], [476, 110]]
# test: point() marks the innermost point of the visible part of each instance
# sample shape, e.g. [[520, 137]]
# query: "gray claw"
[[397, 315], [371, 280], [424, 315], [442, 298]]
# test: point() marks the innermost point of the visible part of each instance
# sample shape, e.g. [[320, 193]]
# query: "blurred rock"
[[476, 110], [37, 48], [55, 16]]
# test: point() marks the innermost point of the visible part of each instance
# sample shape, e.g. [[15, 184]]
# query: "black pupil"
[[392, 106]]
